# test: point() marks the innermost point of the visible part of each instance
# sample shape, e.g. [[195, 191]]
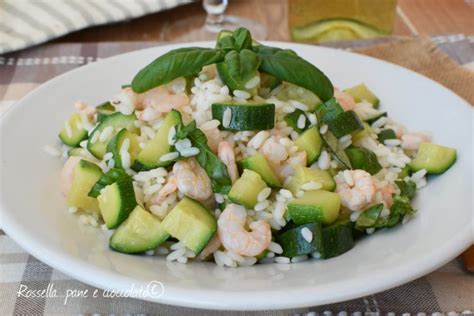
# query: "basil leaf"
[[238, 68], [215, 168], [285, 65], [242, 38], [174, 64], [226, 43], [369, 217], [407, 188]]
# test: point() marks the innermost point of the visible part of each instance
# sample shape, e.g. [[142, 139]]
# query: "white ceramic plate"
[[34, 213]]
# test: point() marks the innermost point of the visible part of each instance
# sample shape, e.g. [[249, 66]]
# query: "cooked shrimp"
[[67, 174], [411, 141], [169, 188], [346, 101], [126, 101], [88, 110], [356, 188], [214, 137], [212, 246], [273, 150], [226, 154], [160, 100], [234, 236], [387, 192], [192, 180]]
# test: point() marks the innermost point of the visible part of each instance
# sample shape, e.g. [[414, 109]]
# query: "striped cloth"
[[449, 289], [24, 23]]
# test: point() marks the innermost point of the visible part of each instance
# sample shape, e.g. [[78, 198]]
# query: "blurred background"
[[25, 23]]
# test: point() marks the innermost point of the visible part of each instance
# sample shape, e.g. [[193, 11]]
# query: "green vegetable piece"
[[246, 189], [86, 174], [115, 146], [104, 110], [269, 81], [362, 158], [215, 168], [345, 123], [386, 134], [177, 63], [108, 178], [142, 231], [329, 110], [362, 93], [404, 173], [259, 164], [294, 244], [242, 38], [116, 201], [245, 117], [337, 238], [315, 206], [287, 66], [436, 159], [238, 68], [310, 141], [304, 175], [290, 91], [74, 133], [369, 217], [407, 188], [292, 120], [333, 144], [191, 223]]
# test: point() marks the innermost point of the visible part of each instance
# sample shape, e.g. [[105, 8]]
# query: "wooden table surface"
[[432, 17]]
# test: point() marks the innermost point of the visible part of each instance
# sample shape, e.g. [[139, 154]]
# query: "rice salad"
[[238, 155]]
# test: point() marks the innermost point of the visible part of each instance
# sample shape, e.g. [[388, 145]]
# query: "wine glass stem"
[[215, 11]]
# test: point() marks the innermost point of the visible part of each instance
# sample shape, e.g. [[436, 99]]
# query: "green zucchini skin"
[[294, 244], [362, 158], [245, 117], [108, 178], [386, 134], [337, 239], [345, 123]]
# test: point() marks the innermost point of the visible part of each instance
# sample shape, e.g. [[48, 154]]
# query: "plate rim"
[[197, 298]]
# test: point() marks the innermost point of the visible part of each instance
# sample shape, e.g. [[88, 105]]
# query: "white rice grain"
[[176, 254], [355, 216], [182, 144], [281, 260], [276, 248], [286, 193], [323, 129], [72, 209], [298, 105], [95, 137], [299, 259], [248, 261], [106, 134], [307, 234], [261, 206], [226, 118], [252, 83], [316, 255], [169, 156], [418, 175], [182, 260], [379, 123], [258, 139], [392, 142], [209, 125], [242, 94], [219, 198], [301, 123], [370, 231], [421, 183], [324, 162], [313, 119], [312, 185], [264, 194], [189, 152], [162, 251]]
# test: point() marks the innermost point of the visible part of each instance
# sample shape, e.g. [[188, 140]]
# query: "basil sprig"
[[242, 57], [174, 64]]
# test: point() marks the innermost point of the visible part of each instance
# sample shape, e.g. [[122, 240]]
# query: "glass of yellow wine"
[[337, 20]]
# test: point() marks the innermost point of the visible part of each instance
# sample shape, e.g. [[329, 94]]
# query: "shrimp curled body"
[[234, 236], [192, 180], [356, 193], [226, 155]]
